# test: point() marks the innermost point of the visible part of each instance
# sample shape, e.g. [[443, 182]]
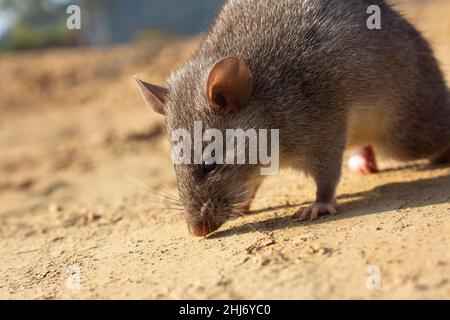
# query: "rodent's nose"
[[202, 228]]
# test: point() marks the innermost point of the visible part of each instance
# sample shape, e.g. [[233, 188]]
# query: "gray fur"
[[324, 80]]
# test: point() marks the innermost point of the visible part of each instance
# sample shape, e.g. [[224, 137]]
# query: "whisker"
[[170, 205], [163, 200], [167, 195], [145, 186], [175, 214], [168, 208]]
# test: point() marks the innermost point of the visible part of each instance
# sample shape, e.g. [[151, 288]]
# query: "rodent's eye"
[[208, 166]]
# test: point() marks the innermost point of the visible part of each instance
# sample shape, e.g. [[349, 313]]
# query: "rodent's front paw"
[[312, 212]]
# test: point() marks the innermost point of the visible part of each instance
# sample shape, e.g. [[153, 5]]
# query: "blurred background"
[[28, 24], [31, 24], [82, 159]]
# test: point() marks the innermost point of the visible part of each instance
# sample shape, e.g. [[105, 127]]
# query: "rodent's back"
[[295, 39], [288, 41]]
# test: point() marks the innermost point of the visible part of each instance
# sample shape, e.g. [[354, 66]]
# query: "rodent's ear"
[[230, 84], [154, 96]]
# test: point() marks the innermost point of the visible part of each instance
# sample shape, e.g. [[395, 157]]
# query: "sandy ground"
[[83, 165]]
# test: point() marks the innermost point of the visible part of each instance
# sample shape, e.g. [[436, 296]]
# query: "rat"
[[315, 71]]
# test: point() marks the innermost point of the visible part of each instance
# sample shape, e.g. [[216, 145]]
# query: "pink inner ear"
[[159, 92], [220, 100]]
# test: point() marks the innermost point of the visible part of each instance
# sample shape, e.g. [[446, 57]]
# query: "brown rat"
[[313, 70]]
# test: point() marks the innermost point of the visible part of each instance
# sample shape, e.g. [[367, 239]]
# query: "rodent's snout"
[[205, 219], [203, 227]]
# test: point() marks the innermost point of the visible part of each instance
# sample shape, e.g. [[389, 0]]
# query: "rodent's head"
[[215, 95]]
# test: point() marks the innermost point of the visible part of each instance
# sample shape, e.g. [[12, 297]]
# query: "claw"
[[312, 212]]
